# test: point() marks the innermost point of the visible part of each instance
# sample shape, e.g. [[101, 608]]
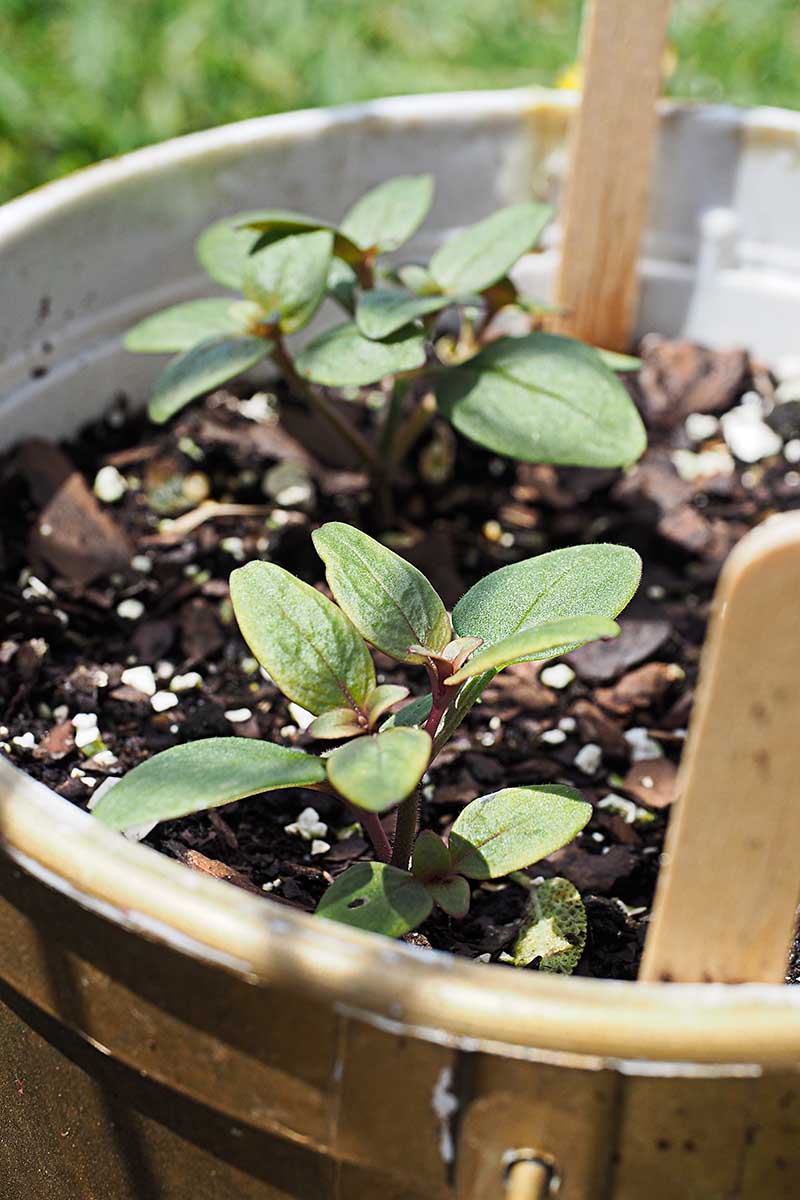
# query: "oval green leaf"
[[579, 581], [343, 357], [200, 775], [618, 362], [390, 602], [384, 697], [546, 399], [390, 213], [377, 898], [274, 224], [430, 858], [535, 642], [380, 313], [452, 895], [379, 771], [335, 724], [478, 256], [302, 640], [199, 370], [511, 829], [182, 326], [554, 928], [289, 278], [223, 249], [416, 712]]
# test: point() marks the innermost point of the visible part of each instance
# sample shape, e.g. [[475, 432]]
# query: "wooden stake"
[[611, 156], [728, 890]]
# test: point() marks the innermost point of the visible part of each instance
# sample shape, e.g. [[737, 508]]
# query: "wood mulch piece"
[[89, 588]]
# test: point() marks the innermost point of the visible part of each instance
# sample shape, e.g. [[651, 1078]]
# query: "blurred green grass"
[[84, 79]]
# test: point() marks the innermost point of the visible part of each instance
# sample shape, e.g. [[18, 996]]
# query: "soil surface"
[[90, 587]]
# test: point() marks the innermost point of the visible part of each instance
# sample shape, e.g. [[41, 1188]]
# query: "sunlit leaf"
[[384, 697], [380, 313], [545, 399], [274, 224], [182, 326], [597, 580], [289, 278], [204, 367], [388, 600], [343, 357], [223, 249], [335, 724], [513, 828], [199, 775], [619, 362], [534, 642], [478, 256], [378, 898], [380, 770], [305, 642], [554, 928], [390, 213]]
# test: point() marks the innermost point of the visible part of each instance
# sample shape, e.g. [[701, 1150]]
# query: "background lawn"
[[83, 79]]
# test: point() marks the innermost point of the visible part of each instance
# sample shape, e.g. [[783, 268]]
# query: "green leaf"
[[199, 370], [416, 712], [176, 329], [378, 771], [390, 602], [382, 699], [511, 829], [478, 256], [199, 775], [302, 640], [336, 723], [342, 357], [416, 278], [390, 213], [545, 399], [430, 858], [223, 249], [289, 278], [378, 898], [554, 929], [579, 581], [535, 642], [453, 895], [342, 285], [274, 224], [619, 362], [380, 313]]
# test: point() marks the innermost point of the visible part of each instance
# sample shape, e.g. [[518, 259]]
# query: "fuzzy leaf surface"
[[343, 357], [377, 898], [182, 326], [554, 928], [416, 712], [478, 256], [289, 278], [200, 775], [382, 699], [546, 399], [390, 213], [381, 312], [380, 770], [223, 249], [535, 642], [511, 829], [388, 600], [596, 580], [303, 641], [199, 370]]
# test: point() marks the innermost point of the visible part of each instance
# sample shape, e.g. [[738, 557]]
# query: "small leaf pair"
[[494, 835]]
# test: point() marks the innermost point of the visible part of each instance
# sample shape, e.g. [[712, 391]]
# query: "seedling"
[[538, 397], [317, 652]]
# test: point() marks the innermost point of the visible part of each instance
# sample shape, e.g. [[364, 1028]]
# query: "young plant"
[[317, 652], [539, 398]]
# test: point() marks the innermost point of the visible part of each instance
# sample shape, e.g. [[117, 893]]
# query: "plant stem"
[[302, 390], [406, 831], [412, 428], [372, 826]]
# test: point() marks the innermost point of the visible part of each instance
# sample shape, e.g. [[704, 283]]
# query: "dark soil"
[[68, 562]]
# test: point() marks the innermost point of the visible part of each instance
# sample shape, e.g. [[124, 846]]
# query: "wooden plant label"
[[729, 885], [608, 188]]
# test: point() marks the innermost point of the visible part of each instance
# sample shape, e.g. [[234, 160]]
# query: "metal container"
[[165, 1035]]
